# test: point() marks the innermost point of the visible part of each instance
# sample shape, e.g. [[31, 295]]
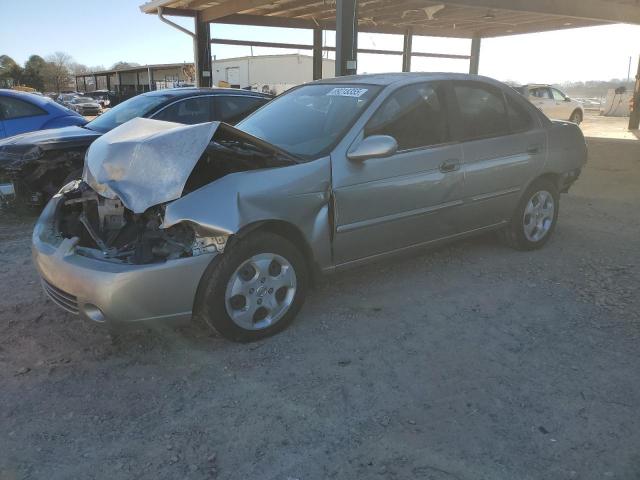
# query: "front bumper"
[[108, 292]]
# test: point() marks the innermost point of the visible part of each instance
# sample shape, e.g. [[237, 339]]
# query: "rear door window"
[[482, 111], [232, 109], [520, 119], [415, 116], [11, 108], [541, 92], [189, 111]]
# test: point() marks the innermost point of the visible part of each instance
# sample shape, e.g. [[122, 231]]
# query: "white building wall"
[[289, 70]]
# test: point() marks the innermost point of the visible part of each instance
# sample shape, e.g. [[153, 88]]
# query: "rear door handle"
[[449, 166]]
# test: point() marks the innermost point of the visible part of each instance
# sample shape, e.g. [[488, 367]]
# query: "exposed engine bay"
[[108, 230]]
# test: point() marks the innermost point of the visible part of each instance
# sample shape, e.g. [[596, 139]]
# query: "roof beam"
[[230, 7], [597, 10]]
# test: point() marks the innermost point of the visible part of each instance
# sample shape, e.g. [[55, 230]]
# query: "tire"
[[576, 117], [262, 272], [521, 233]]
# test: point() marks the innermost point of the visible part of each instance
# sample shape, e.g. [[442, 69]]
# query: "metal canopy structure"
[[474, 19]]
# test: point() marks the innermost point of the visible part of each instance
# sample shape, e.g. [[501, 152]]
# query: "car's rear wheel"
[[253, 290], [535, 217], [576, 117]]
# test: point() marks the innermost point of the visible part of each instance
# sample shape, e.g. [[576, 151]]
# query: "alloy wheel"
[[260, 291], [538, 216]]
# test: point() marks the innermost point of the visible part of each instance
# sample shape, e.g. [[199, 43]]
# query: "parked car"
[[232, 223], [104, 97], [36, 165], [553, 102], [65, 99], [86, 106], [22, 112]]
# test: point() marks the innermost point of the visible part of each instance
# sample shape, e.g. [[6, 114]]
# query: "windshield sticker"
[[347, 92]]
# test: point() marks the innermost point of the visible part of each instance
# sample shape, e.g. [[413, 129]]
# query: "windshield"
[[308, 121], [134, 107]]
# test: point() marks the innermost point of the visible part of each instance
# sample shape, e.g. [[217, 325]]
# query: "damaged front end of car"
[[117, 211], [111, 246]]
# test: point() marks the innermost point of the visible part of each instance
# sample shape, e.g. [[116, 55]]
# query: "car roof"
[[39, 100], [386, 79], [194, 91]]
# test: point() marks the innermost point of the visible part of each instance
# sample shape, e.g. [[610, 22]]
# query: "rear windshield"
[[308, 121]]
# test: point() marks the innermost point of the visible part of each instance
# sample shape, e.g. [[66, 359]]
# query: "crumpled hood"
[[146, 162]]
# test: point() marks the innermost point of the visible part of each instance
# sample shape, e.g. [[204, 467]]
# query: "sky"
[[97, 32]]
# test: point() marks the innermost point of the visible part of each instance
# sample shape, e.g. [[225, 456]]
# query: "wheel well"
[[554, 178], [579, 112], [291, 233]]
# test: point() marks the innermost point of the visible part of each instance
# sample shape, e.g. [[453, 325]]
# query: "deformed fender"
[[297, 194]]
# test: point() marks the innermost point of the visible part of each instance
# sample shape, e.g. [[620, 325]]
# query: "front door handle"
[[533, 149], [449, 166]]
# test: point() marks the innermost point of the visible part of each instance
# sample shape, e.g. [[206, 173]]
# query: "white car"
[[553, 103]]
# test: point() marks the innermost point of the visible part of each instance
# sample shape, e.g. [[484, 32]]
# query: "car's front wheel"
[[535, 217], [253, 290]]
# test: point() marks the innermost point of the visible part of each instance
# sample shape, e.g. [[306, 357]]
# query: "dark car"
[[105, 98], [34, 166], [86, 106]]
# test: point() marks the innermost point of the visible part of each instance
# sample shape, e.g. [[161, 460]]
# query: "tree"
[[58, 71], [34, 72], [10, 72]]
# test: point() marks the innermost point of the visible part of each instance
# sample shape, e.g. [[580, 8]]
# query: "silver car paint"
[[145, 162], [162, 291], [347, 212]]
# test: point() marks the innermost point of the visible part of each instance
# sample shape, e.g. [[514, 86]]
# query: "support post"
[[76, 83], [406, 51], [317, 53], [634, 118], [346, 37], [137, 82], [84, 81], [202, 52], [150, 78], [119, 75], [108, 81], [474, 61]]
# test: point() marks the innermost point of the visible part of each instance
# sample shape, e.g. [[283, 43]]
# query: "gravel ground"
[[468, 362]]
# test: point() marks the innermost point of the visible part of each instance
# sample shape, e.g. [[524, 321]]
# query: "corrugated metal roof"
[[457, 18]]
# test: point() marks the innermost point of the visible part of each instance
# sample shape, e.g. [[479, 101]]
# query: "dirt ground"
[[468, 362]]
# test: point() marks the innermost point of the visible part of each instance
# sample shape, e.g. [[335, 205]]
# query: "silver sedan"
[[231, 225]]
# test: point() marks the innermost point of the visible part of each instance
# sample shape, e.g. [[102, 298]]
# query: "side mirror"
[[375, 146], [567, 99]]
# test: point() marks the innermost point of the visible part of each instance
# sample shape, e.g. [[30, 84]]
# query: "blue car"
[[22, 112]]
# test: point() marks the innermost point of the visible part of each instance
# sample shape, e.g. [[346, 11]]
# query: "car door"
[[563, 108], [20, 116], [542, 98], [190, 111], [408, 198], [503, 146]]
